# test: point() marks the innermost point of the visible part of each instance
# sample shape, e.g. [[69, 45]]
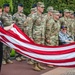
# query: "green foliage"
[[57, 4], [7, 1]]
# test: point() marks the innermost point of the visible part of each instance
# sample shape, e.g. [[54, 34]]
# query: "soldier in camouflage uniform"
[[39, 22], [33, 10], [28, 27], [65, 20], [7, 21], [52, 29], [20, 18], [49, 16], [28, 24], [49, 13], [72, 24]]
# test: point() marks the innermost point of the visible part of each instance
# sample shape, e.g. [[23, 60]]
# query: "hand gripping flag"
[[56, 55]]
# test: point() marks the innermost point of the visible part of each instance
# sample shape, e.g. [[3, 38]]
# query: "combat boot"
[[30, 62], [18, 59], [4, 62], [36, 68], [41, 67], [23, 58], [9, 61]]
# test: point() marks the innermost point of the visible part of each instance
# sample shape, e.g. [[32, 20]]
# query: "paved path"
[[21, 68], [61, 71]]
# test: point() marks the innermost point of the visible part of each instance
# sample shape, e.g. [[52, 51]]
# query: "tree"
[[57, 4]]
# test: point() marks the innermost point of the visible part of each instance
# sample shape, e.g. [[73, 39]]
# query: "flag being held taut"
[[56, 55]]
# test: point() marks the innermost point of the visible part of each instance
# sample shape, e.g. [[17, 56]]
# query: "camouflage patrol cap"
[[40, 4], [34, 9], [55, 12], [66, 10], [71, 11], [50, 8]]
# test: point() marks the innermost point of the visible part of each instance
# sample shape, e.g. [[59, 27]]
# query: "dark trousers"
[[1, 54]]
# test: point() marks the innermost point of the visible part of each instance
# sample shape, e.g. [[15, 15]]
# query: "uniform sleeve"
[[6, 21], [48, 29], [34, 17], [15, 18]]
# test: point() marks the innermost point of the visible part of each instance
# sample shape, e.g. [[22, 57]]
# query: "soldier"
[[28, 25], [20, 18], [65, 20], [7, 21], [49, 16], [33, 10], [1, 44], [39, 22], [52, 29], [50, 12], [72, 24]]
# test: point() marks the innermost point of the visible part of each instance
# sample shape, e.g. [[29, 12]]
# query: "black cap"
[[34, 5], [60, 11], [5, 5], [21, 5], [62, 27]]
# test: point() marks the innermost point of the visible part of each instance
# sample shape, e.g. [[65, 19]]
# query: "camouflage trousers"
[[38, 38], [6, 52], [53, 41]]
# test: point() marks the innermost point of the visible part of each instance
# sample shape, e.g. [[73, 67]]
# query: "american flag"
[[56, 55]]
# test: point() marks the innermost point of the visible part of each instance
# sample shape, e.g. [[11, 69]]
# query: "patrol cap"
[[21, 5], [50, 8], [34, 9], [66, 10], [62, 27], [60, 11], [34, 5], [40, 4], [6, 5], [55, 12], [71, 11]]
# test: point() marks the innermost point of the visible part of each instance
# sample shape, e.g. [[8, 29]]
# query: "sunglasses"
[[42, 7]]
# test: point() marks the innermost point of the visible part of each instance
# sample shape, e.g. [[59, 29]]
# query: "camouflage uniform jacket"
[[7, 19], [52, 30], [20, 19]]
